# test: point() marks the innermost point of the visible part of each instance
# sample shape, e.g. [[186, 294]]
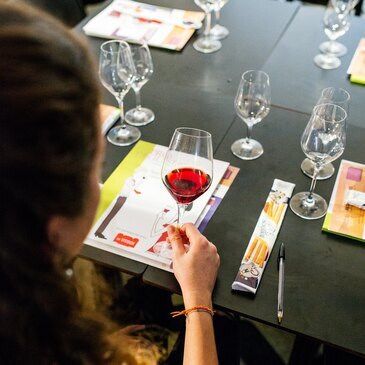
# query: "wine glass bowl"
[[341, 98], [335, 25], [116, 73], [187, 170], [252, 104], [206, 43], [338, 27], [140, 116], [323, 141]]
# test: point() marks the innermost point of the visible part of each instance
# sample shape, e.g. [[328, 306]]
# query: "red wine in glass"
[[187, 183], [187, 170]]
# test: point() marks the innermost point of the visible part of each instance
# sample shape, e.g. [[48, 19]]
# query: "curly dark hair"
[[49, 97]]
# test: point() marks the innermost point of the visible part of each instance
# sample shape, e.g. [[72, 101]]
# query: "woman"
[[50, 158]]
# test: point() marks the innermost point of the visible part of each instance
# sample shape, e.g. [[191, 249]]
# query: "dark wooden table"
[[325, 274], [193, 89]]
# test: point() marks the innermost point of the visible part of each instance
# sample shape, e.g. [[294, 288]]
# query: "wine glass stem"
[[208, 19], [249, 131], [331, 46], [180, 212], [121, 111], [138, 99], [217, 16], [313, 183]]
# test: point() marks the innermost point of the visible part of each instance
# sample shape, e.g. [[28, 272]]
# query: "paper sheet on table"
[[136, 207]]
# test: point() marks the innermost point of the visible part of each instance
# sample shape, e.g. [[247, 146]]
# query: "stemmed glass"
[[332, 95], [139, 116], [207, 44], [117, 72], [323, 141], [335, 25], [343, 8], [218, 31], [187, 170], [252, 104]]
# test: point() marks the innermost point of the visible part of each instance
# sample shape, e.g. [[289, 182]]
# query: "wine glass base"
[[327, 62], [337, 49], [123, 136], [207, 45], [247, 150], [219, 32], [324, 173], [314, 209], [139, 117]]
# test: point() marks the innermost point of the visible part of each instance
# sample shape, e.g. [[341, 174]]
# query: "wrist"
[[192, 299]]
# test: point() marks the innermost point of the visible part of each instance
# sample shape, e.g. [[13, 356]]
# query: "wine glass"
[[323, 141], [207, 44], [117, 72], [343, 8], [335, 25], [139, 116], [338, 97], [218, 31], [187, 170], [252, 104]]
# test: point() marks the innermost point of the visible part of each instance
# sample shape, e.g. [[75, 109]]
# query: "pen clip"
[[281, 254]]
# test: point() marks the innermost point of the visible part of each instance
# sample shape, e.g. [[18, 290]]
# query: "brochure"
[[356, 70], [263, 238], [346, 210], [135, 207], [134, 21]]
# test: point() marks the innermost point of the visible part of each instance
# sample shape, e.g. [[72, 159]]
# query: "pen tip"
[[280, 317]]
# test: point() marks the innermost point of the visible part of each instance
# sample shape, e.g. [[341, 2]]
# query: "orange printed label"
[[125, 240]]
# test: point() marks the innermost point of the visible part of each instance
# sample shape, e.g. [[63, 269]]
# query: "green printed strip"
[[327, 222], [126, 168], [359, 79]]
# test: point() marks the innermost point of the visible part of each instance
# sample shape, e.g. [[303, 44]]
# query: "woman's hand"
[[196, 268]]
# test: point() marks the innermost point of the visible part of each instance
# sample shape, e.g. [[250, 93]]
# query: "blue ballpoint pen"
[[281, 266]]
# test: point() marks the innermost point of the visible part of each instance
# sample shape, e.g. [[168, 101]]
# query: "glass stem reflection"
[[180, 213], [208, 21], [138, 99], [249, 131], [217, 16], [121, 111], [313, 183]]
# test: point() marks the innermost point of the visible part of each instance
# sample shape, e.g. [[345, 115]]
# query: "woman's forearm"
[[200, 348]]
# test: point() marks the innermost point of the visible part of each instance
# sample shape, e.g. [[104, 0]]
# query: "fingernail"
[[170, 229]]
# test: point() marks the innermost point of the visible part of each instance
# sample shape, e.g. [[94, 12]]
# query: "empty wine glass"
[[218, 31], [207, 44], [332, 95], [323, 141], [252, 104], [335, 25], [343, 8], [117, 72], [187, 170], [139, 116]]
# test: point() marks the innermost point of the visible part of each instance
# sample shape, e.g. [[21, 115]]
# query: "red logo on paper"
[[123, 239]]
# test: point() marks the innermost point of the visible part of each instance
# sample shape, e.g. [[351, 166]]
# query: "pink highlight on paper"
[[353, 174], [175, 40]]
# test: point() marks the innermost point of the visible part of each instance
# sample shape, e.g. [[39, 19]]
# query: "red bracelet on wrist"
[[198, 308]]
